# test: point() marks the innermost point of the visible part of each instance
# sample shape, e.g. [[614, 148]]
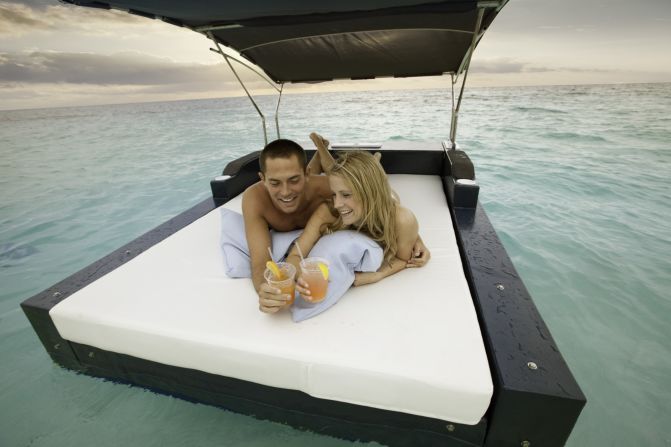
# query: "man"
[[283, 200]]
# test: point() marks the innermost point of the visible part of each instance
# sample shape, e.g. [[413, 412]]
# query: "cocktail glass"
[[286, 283], [314, 275]]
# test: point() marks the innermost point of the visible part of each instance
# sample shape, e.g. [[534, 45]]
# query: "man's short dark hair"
[[282, 148]]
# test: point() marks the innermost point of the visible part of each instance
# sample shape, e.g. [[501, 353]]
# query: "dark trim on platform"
[[537, 405], [37, 307], [292, 407], [536, 397]]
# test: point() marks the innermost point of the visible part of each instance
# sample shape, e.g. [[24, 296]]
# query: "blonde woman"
[[362, 201]]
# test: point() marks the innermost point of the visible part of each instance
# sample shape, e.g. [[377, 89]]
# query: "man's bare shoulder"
[[255, 198]]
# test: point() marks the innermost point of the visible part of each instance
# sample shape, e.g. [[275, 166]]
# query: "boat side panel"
[[59, 349], [537, 397], [519, 416], [295, 408]]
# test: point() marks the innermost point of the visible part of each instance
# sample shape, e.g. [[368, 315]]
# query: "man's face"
[[285, 181]]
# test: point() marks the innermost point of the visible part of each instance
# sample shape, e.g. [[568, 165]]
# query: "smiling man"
[[283, 200]]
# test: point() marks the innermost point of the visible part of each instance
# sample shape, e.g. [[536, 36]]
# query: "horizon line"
[[303, 92]]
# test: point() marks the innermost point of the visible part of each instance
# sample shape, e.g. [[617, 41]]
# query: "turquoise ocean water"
[[574, 178]]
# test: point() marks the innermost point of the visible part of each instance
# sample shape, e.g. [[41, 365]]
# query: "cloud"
[[17, 18], [129, 68], [506, 65], [511, 66], [14, 16], [501, 65], [36, 79], [52, 79]]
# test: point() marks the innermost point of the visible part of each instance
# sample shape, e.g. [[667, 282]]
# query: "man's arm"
[[258, 235], [258, 240]]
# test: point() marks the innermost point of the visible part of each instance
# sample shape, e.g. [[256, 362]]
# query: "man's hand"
[[420, 254], [271, 299]]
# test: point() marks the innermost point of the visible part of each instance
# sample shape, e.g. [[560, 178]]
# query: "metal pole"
[[453, 119], [244, 64], [263, 118], [455, 111], [277, 111]]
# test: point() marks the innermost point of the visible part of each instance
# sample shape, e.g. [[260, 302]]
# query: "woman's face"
[[344, 202]]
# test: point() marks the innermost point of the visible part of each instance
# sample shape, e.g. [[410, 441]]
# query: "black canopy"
[[299, 40]]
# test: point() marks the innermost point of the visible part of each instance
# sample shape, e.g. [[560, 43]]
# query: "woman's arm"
[[363, 278], [408, 228]]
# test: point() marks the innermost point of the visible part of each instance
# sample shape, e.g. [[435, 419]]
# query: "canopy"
[[301, 41]]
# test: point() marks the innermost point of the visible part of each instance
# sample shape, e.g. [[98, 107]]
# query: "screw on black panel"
[[525, 444], [500, 286], [92, 354], [532, 366], [450, 427], [57, 294]]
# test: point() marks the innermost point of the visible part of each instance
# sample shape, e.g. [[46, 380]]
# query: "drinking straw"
[[300, 253], [270, 252]]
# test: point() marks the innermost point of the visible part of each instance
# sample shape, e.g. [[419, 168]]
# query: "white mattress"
[[410, 343]]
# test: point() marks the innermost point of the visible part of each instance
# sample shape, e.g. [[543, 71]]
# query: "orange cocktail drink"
[[314, 271], [285, 282]]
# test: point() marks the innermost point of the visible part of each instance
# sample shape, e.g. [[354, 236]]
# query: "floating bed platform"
[[452, 354]]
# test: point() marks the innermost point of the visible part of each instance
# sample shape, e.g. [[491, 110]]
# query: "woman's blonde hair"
[[364, 174]]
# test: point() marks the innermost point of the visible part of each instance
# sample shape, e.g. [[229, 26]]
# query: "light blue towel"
[[346, 251], [237, 263]]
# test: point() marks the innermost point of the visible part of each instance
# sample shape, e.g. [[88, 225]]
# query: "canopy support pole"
[[228, 59], [467, 63], [277, 111]]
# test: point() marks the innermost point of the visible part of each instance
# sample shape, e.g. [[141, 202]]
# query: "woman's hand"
[[303, 288], [420, 254]]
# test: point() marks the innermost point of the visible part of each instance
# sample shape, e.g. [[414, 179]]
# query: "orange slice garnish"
[[275, 269], [324, 269]]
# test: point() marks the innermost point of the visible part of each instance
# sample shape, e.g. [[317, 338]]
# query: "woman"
[[362, 201]]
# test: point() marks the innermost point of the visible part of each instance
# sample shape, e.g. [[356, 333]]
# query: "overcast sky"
[[52, 54]]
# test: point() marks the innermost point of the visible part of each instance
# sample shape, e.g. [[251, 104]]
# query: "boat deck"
[[410, 343]]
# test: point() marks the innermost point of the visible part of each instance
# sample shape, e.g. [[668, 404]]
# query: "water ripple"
[[574, 178]]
